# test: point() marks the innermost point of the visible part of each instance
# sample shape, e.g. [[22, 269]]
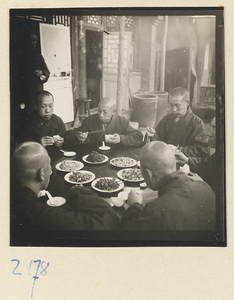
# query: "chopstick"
[[95, 131], [178, 147]]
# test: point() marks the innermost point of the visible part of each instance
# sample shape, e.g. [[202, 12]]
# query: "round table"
[[59, 187]]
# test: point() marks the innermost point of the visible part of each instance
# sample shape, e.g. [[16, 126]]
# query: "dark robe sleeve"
[[191, 145], [86, 211], [91, 124], [28, 131], [97, 210], [196, 148], [160, 131], [128, 135], [197, 165], [138, 217], [45, 70], [61, 128], [206, 168]]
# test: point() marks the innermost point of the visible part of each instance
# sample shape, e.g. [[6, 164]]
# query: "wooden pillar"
[[74, 56], [189, 70], [163, 55], [120, 78], [82, 61]]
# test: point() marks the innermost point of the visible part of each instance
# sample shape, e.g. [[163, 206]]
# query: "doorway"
[[94, 66]]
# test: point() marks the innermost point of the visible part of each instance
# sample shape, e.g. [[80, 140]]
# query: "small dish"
[[69, 153], [104, 148], [56, 201]]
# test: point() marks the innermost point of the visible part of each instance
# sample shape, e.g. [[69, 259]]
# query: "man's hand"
[[58, 140], [38, 73], [112, 138], [150, 131], [180, 157], [82, 136], [47, 141], [135, 196]]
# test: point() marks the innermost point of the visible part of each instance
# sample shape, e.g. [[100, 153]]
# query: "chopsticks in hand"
[[95, 131]]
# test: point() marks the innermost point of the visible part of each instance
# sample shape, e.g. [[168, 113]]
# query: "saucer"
[[69, 153], [56, 201], [104, 148]]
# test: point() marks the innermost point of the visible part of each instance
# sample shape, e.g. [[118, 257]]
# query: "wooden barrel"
[[144, 109], [162, 104]]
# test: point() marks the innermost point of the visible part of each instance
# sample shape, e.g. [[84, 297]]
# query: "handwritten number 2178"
[[35, 277]]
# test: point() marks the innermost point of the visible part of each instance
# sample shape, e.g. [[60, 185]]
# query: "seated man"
[[183, 202], [43, 126], [111, 128], [181, 128], [32, 217], [206, 168]]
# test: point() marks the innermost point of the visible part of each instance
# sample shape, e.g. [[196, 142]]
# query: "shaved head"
[[32, 165], [179, 101], [106, 109], [107, 102], [179, 92], [157, 161]]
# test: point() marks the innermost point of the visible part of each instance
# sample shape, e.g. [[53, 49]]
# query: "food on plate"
[[123, 162], [80, 177], [132, 175], [107, 184], [95, 157], [70, 165]]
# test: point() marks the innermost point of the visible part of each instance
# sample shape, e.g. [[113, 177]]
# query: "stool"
[[86, 105]]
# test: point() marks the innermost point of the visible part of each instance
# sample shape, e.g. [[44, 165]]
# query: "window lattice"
[[62, 20], [94, 20], [113, 24]]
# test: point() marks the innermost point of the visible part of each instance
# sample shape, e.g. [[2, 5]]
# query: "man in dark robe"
[[42, 125], [183, 203], [33, 218], [34, 73], [206, 168], [111, 128], [182, 129]]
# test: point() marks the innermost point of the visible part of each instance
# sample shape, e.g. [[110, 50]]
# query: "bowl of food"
[[95, 158], [79, 177], [107, 184], [69, 165], [130, 175], [123, 162]]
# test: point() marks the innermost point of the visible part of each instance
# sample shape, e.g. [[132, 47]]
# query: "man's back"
[[183, 204], [32, 218]]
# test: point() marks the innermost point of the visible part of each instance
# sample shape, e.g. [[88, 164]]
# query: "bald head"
[[107, 102], [32, 164], [106, 109], [179, 101], [179, 92], [157, 161]]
